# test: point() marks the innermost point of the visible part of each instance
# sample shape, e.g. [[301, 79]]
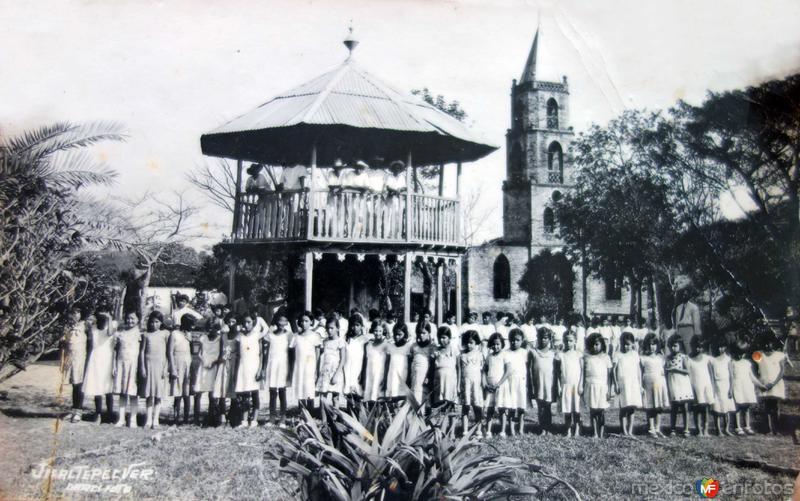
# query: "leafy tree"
[[45, 225], [746, 142], [619, 220], [548, 280]]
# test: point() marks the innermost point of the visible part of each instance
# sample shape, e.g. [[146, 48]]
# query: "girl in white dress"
[[421, 367], [543, 377], [771, 367], [699, 366], [397, 368], [375, 364], [723, 404], [179, 361], [225, 382], [596, 380], [97, 379], [513, 386], [680, 387], [473, 379], [494, 370], [743, 387], [654, 383], [331, 367], [569, 370], [355, 340], [445, 377], [275, 369], [253, 331], [154, 367], [306, 362], [126, 365], [210, 360], [628, 381], [73, 361]]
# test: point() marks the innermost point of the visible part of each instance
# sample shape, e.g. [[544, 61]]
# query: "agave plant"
[[379, 456]]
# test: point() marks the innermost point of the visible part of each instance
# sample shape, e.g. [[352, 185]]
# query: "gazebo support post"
[[439, 293], [310, 193], [237, 208], [459, 312], [309, 262], [459, 236], [409, 262], [409, 198], [441, 180]]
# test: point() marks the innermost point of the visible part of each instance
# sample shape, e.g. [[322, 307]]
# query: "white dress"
[[353, 363], [225, 382], [543, 372], [249, 362], [595, 380], [210, 355], [154, 345], [374, 373], [769, 366], [398, 370], [180, 385], [329, 365], [304, 377], [570, 376], [75, 353], [97, 379], [127, 363], [744, 390], [680, 387], [629, 378], [445, 379], [420, 364], [654, 382], [278, 359], [720, 367], [700, 376], [472, 363], [495, 368], [513, 394]]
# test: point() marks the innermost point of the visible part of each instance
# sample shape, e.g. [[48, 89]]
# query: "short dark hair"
[[494, 337], [444, 331], [626, 336], [516, 333], [470, 334], [593, 338], [676, 339]]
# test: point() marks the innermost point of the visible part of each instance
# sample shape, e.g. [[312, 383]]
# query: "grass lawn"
[[201, 463]]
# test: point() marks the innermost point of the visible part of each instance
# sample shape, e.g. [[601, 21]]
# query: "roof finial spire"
[[350, 41], [529, 73]]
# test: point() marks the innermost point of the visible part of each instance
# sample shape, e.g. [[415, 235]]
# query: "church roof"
[[344, 101], [529, 73]]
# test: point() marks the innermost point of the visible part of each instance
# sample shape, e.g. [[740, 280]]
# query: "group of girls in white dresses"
[[232, 359]]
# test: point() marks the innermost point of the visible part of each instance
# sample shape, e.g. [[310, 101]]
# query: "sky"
[[169, 71]]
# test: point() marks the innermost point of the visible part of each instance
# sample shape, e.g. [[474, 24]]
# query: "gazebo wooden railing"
[[346, 216]]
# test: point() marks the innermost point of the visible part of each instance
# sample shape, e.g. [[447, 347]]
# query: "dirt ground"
[[222, 463]]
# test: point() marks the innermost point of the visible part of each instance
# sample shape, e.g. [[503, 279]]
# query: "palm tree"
[[44, 223]]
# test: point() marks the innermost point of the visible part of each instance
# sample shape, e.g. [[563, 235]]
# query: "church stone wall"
[[480, 286]]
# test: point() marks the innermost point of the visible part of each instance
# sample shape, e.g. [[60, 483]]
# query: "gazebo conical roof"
[[347, 113]]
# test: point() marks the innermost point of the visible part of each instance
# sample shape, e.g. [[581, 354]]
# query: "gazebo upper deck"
[[347, 117]]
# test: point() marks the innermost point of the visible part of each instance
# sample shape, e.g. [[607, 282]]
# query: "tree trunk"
[[584, 286]]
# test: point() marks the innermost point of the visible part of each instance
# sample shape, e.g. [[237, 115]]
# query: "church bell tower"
[[538, 168]]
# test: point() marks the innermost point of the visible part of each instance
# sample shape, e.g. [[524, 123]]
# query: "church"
[[538, 171]]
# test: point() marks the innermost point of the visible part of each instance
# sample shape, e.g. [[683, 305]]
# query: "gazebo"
[[335, 238]]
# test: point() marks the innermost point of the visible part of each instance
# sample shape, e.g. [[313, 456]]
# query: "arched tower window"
[[552, 114], [515, 162], [549, 221], [555, 163], [502, 278]]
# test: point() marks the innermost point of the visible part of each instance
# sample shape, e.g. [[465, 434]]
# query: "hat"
[[254, 169]]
